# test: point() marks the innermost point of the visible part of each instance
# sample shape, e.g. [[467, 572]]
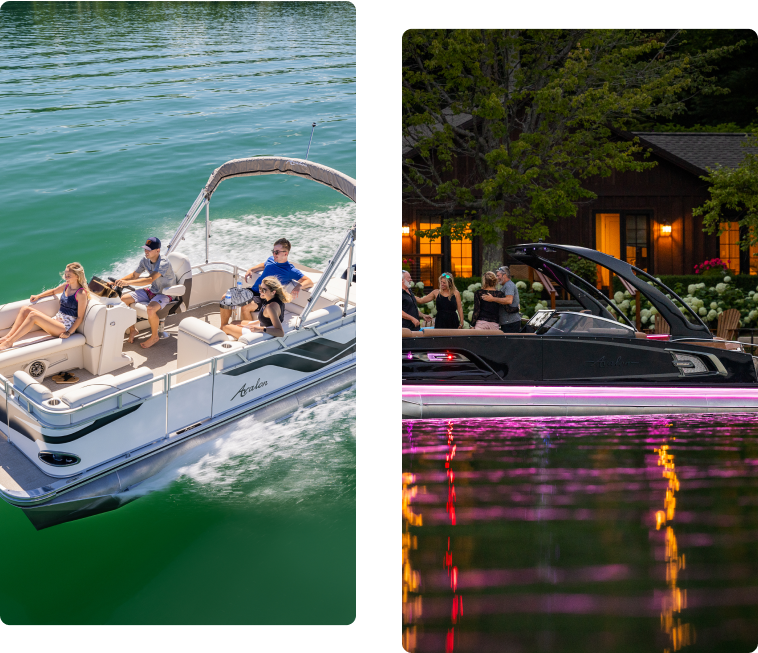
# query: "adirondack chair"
[[661, 326], [728, 324]]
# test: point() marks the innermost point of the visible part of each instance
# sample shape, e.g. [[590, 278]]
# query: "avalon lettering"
[[602, 362], [243, 390]]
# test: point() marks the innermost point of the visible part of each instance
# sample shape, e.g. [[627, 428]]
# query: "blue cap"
[[151, 244]]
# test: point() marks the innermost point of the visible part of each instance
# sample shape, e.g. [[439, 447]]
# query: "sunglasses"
[[278, 251]]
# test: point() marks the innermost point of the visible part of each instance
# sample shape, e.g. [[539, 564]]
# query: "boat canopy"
[[261, 165], [591, 298], [280, 165]]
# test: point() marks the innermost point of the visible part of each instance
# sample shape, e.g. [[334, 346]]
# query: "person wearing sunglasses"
[[275, 265]]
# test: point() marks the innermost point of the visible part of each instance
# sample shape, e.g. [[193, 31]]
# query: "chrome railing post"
[[213, 382], [7, 412], [348, 278], [207, 228], [166, 390]]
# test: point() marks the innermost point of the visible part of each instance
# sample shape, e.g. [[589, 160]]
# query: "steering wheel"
[[121, 289]]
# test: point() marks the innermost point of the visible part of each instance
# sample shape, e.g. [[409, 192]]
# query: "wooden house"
[[643, 217]]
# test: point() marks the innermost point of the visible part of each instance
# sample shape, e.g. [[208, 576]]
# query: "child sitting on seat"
[[273, 296]]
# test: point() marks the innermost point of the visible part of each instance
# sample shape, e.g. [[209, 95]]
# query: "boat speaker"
[[36, 369]]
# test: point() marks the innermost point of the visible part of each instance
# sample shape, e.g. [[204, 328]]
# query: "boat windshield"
[[584, 324]]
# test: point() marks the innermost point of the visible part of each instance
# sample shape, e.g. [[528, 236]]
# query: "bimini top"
[[280, 165], [592, 299]]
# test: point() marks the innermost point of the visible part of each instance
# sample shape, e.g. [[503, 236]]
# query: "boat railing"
[[165, 380]]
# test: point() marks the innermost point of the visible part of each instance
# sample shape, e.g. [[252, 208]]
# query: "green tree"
[[526, 115], [734, 194]]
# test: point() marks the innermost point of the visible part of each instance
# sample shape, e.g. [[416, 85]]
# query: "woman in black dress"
[[448, 302]]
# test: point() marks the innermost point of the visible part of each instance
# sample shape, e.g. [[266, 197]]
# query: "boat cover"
[[280, 165]]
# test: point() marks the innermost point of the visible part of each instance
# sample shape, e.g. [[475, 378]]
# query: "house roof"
[[693, 151], [696, 151]]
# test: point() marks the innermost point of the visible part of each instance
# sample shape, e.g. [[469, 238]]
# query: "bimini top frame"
[[590, 298], [277, 165]]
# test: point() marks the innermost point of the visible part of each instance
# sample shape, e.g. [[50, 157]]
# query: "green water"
[[112, 117]]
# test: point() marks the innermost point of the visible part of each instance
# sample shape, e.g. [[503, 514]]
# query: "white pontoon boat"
[[75, 450]]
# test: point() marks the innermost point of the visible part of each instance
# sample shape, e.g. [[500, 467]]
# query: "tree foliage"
[[734, 196], [526, 115]]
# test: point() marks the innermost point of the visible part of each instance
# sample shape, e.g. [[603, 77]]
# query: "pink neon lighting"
[[694, 394]]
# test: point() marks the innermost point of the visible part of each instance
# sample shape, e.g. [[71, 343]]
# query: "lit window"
[[729, 244], [461, 257], [428, 246]]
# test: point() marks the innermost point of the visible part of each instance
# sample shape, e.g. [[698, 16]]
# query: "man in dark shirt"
[[410, 305]]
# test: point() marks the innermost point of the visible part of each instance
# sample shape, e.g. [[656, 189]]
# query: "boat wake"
[[248, 239], [307, 456]]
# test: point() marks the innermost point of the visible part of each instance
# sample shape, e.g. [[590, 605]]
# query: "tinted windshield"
[[553, 323]]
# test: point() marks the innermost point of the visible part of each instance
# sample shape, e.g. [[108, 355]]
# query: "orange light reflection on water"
[[681, 634]]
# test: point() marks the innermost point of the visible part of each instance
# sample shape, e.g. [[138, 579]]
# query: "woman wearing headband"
[[448, 302]]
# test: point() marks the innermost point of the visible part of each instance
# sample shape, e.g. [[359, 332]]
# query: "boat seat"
[[99, 388], [96, 346], [717, 343], [179, 293], [198, 340], [29, 387]]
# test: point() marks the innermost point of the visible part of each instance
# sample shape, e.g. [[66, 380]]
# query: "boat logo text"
[[605, 362], [243, 390]]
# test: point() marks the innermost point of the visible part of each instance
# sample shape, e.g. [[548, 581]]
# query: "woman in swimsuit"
[[74, 297], [269, 320]]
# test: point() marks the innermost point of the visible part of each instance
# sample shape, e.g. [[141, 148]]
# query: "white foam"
[[274, 463], [248, 239]]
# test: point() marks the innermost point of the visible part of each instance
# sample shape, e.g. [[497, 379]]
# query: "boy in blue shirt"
[[276, 265]]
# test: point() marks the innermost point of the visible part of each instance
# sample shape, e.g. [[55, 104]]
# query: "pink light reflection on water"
[[510, 391]]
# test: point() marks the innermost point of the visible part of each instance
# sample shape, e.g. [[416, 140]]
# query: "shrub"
[[581, 267]]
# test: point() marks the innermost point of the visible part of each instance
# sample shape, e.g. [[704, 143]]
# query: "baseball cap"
[[151, 244]]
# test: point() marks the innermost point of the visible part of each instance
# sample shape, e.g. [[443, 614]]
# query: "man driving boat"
[[161, 277]]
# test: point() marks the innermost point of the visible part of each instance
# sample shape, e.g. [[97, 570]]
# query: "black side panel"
[[615, 360], [579, 359], [492, 359]]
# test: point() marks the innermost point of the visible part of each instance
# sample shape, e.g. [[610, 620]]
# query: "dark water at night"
[[595, 534]]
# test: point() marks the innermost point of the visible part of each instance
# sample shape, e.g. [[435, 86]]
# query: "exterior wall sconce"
[[406, 230], [666, 228]]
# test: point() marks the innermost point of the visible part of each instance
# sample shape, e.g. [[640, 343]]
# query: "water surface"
[[594, 534]]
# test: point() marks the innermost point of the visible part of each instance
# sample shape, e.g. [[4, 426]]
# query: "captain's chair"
[[179, 293]]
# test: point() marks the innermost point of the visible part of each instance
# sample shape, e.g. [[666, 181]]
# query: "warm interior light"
[[406, 230], [665, 229]]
